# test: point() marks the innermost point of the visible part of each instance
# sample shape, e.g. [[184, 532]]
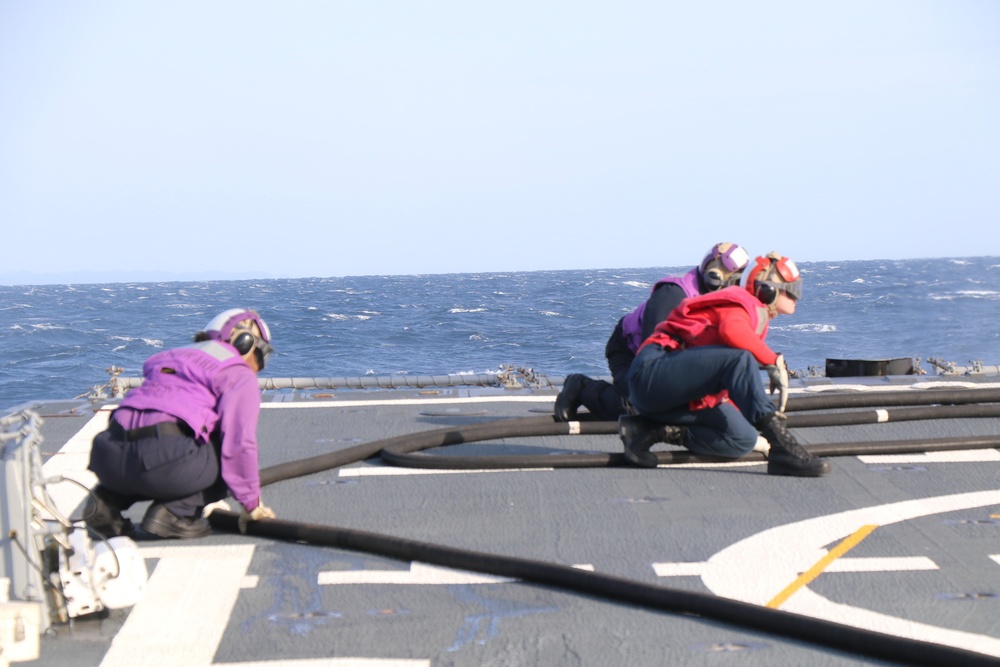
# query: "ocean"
[[59, 340]]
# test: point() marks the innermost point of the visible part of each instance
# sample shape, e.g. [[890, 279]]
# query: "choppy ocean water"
[[58, 340]]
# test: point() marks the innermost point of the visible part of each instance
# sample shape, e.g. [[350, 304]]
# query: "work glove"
[[778, 374], [262, 511]]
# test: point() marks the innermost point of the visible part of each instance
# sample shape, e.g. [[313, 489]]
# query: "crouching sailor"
[[187, 436], [696, 383]]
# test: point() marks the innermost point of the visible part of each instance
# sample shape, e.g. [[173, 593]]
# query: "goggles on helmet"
[[792, 289], [262, 352]]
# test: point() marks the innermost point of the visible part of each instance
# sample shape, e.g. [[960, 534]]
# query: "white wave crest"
[[466, 310], [811, 328], [152, 342], [972, 294]]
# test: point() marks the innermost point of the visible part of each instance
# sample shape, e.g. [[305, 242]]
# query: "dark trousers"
[[173, 470], [609, 400], [663, 383]]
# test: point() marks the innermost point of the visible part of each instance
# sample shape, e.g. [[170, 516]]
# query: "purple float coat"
[[211, 388], [632, 323]]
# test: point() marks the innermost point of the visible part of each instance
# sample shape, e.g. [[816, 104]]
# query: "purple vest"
[[632, 323], [181, 382]]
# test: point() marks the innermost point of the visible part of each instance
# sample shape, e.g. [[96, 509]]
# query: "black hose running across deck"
[[844, 638], [399, 450]]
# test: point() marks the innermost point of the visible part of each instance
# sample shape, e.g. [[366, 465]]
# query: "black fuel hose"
[[401, 451], [844, 638], [881, 415], [451, 435], [867, 399]]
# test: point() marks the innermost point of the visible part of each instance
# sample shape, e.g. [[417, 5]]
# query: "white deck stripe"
[[419, 574], [902, 564], [957, 456], [389, 471], [875, 564], [409, 401], [181, 619], [332, 662]]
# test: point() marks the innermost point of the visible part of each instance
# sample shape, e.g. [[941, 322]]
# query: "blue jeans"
[[662, 383]]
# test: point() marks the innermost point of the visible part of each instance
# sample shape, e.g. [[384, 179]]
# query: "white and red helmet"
[[771, 274]]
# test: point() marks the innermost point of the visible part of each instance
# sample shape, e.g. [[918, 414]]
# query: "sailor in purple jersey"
[[186, 437], [721, 267]]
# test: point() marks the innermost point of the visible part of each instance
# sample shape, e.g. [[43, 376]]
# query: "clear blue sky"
[[330, 138]]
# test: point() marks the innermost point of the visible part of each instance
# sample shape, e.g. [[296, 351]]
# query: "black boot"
[[787, 456], [569, 399], [103, 513], [639, 434], [162, 522]]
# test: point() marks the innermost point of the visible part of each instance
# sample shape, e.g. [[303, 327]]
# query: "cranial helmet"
[[722, 265], [236, 327], [771, 274]]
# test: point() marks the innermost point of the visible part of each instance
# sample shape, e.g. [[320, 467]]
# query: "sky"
[[251, 139]]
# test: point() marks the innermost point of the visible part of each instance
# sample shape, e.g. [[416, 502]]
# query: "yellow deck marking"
[[846, 545]]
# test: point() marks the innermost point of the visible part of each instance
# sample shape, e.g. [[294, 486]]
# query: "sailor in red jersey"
[[696, 380], [722, 266]]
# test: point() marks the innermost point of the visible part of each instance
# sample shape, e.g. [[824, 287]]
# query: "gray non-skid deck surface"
[[621, 521]]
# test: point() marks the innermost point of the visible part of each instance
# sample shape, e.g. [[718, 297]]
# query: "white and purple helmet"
[[723, 265], [228, 326]]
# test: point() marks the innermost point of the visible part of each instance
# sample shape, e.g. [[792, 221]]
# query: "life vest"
[[691, 317], [632, 323], [182, 382]]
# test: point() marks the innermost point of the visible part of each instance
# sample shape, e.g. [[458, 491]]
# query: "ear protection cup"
[[244, 342], [714, 278], [766, 294]]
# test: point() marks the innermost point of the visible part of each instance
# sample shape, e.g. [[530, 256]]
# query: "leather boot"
[[162, 522], [103, 513], [639, 434], [787, 456], [569, 399]]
